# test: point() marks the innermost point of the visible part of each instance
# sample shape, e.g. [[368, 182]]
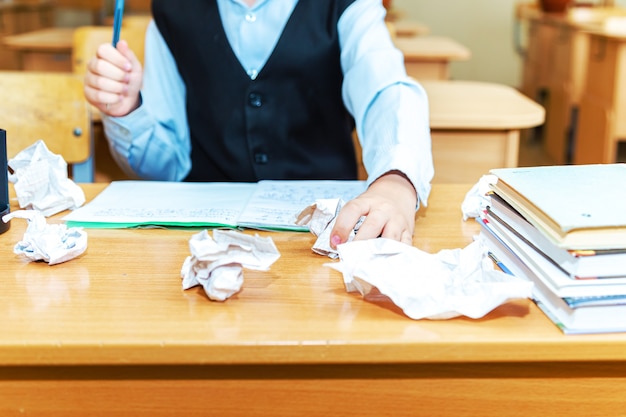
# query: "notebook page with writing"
[[277, 203], [162, 203], [263, 205]]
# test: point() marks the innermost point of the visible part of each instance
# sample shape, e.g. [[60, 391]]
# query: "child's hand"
[[113, 80], [389, 206]]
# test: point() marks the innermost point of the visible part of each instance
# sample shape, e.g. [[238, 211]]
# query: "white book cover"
[[575, 206], [573, 196]]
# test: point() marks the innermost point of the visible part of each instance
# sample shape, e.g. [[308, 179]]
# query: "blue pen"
[[500, 264], [117, 20]]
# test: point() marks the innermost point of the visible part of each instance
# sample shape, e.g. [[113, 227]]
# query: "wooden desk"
[[44, 50], [97, 8], [602, 114], [112, 333], [429, 57], [555, 68], [408, 28], [19, 16], [537, 54], [475, 126]]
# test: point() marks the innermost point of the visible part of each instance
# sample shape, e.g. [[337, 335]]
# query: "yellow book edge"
[[592, 238]]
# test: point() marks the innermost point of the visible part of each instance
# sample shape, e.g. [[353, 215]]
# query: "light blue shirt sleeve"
[[153, 141], [390, 110]]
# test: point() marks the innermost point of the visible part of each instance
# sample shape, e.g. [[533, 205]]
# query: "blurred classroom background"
[[472, 56]]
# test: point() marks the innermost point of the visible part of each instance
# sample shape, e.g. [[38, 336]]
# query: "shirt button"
[[251, 17], [252, 73], [261, 158], [255, 100]]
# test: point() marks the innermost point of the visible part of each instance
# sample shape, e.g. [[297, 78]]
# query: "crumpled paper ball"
[[477, 198], [41, 182], [217, 262], [52, 243]]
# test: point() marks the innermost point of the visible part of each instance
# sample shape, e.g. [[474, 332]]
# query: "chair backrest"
[[51, 107], [138, 21]]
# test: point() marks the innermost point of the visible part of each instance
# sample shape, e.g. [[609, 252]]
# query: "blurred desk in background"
[[602, 111], [19, 16], [428, 57], [47, 49], [408, 28], [475, 126], [555, 64]]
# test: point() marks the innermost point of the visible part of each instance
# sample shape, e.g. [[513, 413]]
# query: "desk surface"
[[49, 40], [575, 17], [473, 105], [414, 47], [24, 4], [432, 48], [409, 28], [121, 303]]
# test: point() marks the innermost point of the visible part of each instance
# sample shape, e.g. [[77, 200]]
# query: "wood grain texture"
[[113, 333], [47, 106]]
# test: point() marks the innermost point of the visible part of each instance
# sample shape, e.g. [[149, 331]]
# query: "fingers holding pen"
[[113, 79]]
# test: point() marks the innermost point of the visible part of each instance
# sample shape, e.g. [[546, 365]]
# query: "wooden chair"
[[137, 21], [51, 107]]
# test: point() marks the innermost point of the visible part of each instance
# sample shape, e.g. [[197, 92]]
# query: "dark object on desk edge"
[[4, 226], [4, 181]]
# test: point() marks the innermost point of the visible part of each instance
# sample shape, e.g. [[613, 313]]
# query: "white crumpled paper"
[[217, 263], [450, 283], [477, 199], [52, 243], [320, 217], [41, 181]]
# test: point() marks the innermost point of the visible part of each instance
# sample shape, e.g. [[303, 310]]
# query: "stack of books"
[[564, 229]]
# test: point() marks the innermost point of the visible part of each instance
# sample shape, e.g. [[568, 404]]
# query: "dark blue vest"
[[288, 123]]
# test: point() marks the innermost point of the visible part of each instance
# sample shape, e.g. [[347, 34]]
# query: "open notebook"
[[270, 204]]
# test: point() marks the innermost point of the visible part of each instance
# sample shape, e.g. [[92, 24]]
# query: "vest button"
[[261, 158], [255, 100]]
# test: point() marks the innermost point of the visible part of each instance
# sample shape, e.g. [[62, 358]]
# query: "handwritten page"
[[134, 203], [267, 204], [278, 203]]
